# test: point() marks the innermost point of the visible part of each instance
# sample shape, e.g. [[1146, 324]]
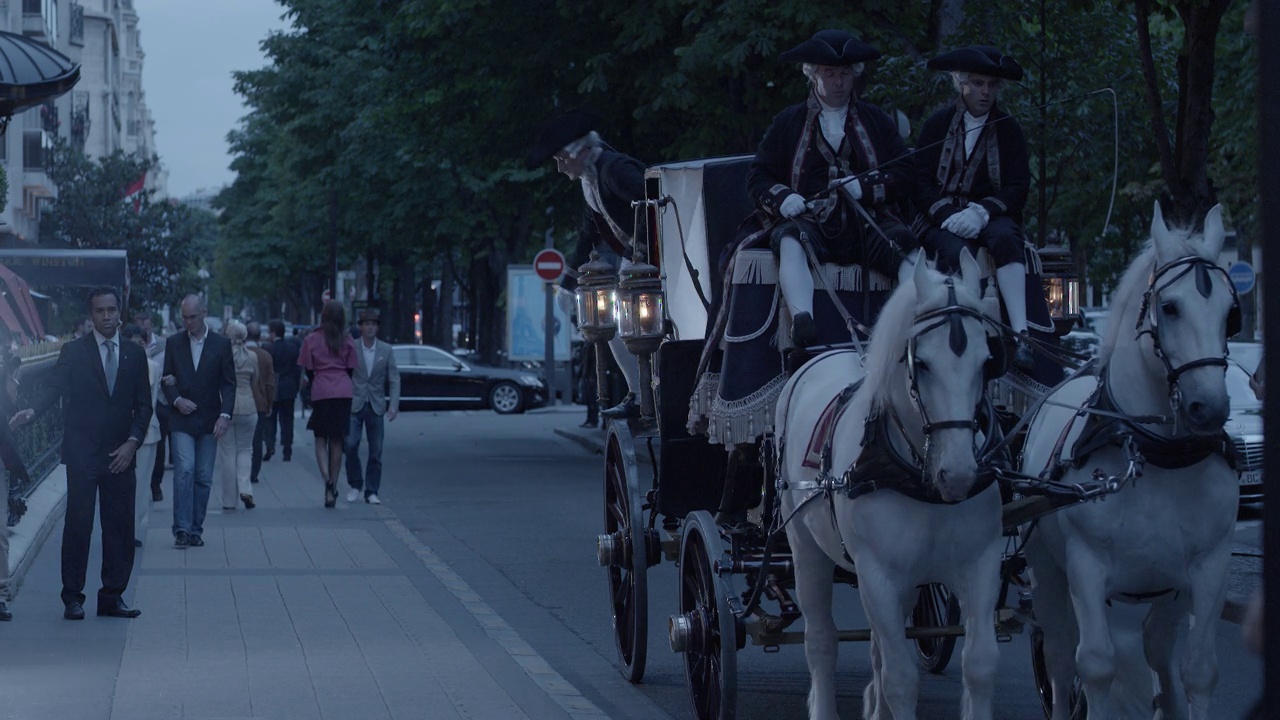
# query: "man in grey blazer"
[[375, 377]]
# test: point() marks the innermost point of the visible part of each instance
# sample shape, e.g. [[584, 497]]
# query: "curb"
[[591, 445], [45, 506]]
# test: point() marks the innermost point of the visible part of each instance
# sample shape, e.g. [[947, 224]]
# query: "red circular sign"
[[549, 264]]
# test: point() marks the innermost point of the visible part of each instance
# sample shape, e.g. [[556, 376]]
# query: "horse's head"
[[1191, 309], [949, 360]]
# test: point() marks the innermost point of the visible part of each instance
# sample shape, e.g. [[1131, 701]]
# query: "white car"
[[1245, 428]]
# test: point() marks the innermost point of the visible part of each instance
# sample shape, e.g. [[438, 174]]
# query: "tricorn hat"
[[559, 131], [980, 60], [831, 47], [367, 314]]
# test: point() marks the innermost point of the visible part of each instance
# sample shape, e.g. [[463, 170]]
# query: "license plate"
[[1251, 477]]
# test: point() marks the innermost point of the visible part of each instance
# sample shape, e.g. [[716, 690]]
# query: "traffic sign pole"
[[542, 266]]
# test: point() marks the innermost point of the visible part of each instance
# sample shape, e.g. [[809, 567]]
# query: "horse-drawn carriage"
[[746, 473]]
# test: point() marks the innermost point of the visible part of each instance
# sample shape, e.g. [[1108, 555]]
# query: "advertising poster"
[[526, 300]]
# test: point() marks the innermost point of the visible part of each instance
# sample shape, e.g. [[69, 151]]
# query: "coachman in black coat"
[[105, 419]]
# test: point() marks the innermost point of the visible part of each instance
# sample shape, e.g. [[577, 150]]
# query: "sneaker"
[[373, 499], [5, 615], [353, 495], [197, 541], [181, 540]]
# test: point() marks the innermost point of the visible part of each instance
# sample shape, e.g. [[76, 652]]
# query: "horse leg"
[[1054, 614], [977, 590], [1095, 655], [1200, 658], [871, 696], [814, 573], [886, 606], [1160, 636]]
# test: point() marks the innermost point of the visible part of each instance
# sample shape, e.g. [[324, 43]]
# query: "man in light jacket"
[[375, 377]]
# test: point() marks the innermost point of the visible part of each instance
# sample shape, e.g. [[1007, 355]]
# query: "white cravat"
[[972, 129], [832, 122]]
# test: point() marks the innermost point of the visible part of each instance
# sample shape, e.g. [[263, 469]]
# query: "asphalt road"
[[514, 509]]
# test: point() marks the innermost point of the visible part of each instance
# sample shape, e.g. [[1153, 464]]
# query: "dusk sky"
[[191, 50]]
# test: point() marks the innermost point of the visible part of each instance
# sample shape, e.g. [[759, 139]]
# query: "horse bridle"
[[951, 315], [1151, 302]]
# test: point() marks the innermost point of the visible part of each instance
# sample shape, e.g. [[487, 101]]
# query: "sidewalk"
[[289, 611]]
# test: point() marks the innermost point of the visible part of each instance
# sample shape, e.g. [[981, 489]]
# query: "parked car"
[[433, 379], [1083, 342], [1245, 429]]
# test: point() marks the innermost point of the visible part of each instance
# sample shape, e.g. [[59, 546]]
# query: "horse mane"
[[1127, 299], [889, 341]]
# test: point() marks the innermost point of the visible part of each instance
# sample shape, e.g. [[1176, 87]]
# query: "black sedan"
[[433, 379]]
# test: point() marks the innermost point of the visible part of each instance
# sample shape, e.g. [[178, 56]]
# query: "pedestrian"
[[974, 175], [284, 359], [328, 356], [235, 447], [825, 168], [610, 181], [83, 326], [264, 395], [375, 393], [105, 391], [146, 457], [200, 383], [154, 347]]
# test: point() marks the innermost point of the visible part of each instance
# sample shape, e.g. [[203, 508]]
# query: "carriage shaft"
[[796, 637]]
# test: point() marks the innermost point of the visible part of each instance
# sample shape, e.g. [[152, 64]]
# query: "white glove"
[[852, 189], [967, 223], [792, 206], [567, 301]]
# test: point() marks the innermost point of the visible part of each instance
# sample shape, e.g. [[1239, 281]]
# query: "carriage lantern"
[[641, 321], [1061, 286], [640, 309], [597, 300]]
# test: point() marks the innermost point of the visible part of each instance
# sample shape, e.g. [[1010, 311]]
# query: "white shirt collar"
[[100, 338]]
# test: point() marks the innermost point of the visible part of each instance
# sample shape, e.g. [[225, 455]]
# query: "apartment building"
[[105, 112]]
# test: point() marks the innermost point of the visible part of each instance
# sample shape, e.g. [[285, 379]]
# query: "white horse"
[[925, 373], [1164, 537]]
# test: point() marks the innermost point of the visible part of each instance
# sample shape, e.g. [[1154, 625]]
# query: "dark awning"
[[68, 268], [31, 72]]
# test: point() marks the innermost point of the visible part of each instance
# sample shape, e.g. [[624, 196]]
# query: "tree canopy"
[[401, 126]]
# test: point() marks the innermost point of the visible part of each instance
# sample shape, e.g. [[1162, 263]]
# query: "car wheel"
[[505, 398]]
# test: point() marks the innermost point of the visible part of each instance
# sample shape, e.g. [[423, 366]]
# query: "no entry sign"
[[549, 264]]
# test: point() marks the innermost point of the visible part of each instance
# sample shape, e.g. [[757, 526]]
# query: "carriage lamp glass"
[[597, 300], [1061, 286], [641, 308]]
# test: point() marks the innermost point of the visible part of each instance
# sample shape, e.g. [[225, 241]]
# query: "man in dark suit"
[[200, 383], [106, 394], [284, 358]]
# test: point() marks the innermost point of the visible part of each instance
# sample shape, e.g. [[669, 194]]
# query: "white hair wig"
[[960, 77], [590, 141], [810, 70]]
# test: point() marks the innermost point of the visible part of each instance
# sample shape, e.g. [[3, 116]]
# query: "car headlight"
[[529, 380]]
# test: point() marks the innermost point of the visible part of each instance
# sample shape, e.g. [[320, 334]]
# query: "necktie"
[[111, 366]]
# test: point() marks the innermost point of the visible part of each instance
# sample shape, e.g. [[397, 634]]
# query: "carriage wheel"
[[1079, 710], [623, 553], [935, 607], [711, 647]]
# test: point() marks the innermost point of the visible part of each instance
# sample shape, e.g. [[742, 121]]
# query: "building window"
[[31, 7], [77, 24], [33, 155]]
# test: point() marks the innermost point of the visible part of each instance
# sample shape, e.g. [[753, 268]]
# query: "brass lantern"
[[1061, 286], [641, 310], [597, 300]]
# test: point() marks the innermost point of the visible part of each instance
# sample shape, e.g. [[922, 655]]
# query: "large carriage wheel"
[[623, 553], [935, 607], [1079, 710], [711, 637]]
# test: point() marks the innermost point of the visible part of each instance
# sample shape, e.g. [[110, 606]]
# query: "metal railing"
[[38, 443]]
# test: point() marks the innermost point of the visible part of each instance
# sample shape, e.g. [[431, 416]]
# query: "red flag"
[[134, 190]]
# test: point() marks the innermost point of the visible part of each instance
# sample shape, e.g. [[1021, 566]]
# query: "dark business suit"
[[212, 387], [95, 423], [284, 358]]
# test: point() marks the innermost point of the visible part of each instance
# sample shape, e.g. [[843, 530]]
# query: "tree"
[[94, 210]]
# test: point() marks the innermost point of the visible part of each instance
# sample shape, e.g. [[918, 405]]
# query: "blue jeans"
[[193, 457], [366, 418]]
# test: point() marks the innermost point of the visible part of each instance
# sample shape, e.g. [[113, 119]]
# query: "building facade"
[[105, 112]]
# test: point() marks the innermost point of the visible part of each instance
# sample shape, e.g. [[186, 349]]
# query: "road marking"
[[534, 665]]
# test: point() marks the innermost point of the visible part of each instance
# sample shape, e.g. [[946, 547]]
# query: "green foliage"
[[92, 211]]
